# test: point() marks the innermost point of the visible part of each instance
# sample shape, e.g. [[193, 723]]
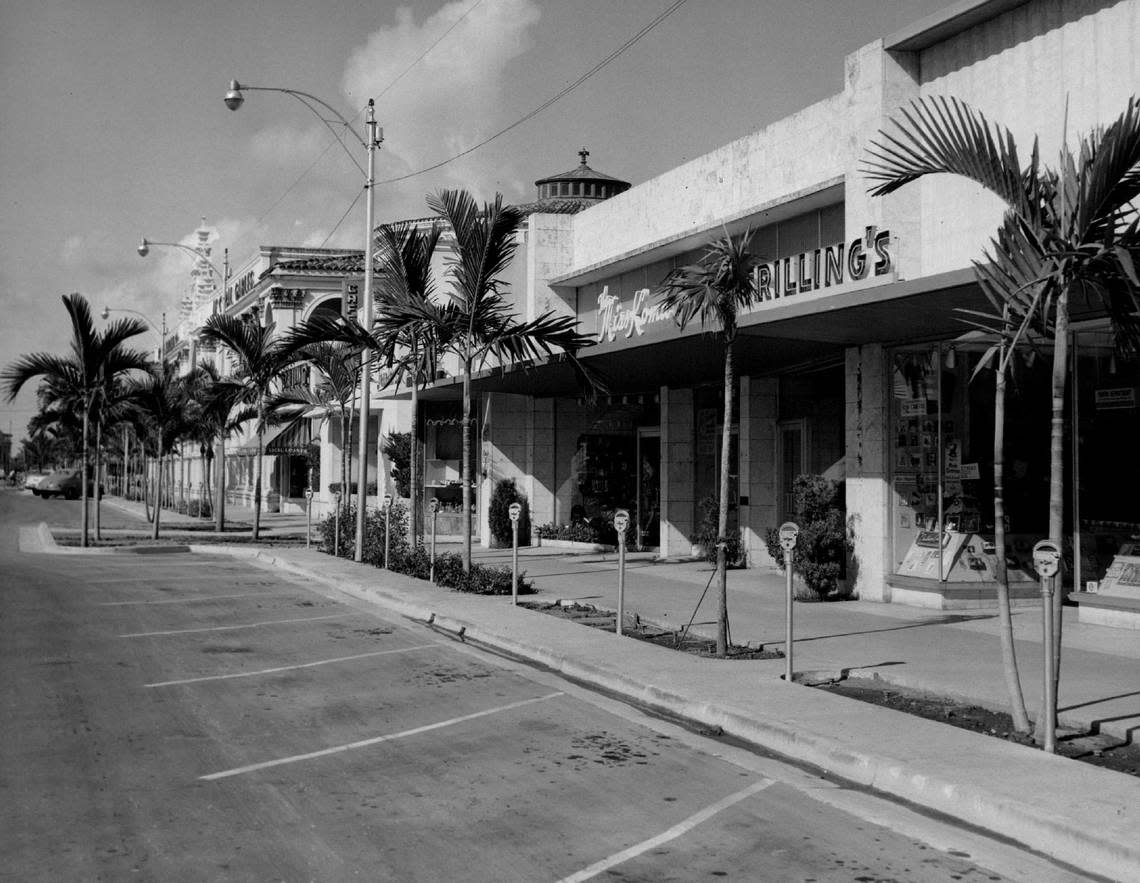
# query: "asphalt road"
[[192, 717]]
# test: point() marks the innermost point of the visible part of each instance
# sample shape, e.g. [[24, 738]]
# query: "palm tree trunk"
[[98, 471], [1005, 621], [157, 495], [413, 464], [466, 467], [1057, 486], [83, 473], [257, 476], [145, 483], [722, 515], [220, 478]]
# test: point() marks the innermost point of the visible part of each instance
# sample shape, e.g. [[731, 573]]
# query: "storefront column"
[[541, 469], [867, 484], [759, 409], [677, 484]]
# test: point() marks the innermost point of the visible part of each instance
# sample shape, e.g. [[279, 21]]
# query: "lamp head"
[[234, 98], [106, 313], [144, 248]]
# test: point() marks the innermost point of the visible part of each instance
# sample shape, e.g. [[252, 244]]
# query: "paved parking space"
[[196, 717]]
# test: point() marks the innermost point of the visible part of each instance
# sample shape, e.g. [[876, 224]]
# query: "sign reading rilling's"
[[832, 270]]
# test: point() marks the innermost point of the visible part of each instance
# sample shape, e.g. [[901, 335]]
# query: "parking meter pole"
[[309, 519], [621, 581], [514, 562], [789, 532], [387, 523], [336, 525], [1047, 666], [788, 666], [431, 569]]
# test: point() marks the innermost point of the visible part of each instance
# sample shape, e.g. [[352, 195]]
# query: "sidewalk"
[[1075, 812]]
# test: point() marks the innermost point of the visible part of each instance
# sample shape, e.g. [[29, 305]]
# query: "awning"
[[290, 438]]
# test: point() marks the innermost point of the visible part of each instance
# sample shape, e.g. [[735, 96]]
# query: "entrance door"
[[792, 451], [648, 488]]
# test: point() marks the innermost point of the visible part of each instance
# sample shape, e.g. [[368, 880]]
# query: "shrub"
[[498, 514], [413, 560], [397, 447], [370, 488], [821, 549], [579, 532], [708, 517]]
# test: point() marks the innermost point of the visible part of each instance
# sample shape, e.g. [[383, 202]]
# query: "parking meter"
[[621, 525], [308, 516], [336, 523], [514, 512], [789, 533], [1047, 561]]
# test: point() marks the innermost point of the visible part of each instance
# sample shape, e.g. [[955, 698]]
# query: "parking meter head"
[[308, 493], [621, 520], [514, 511], [433, 505], [1046, 558], [387, 501], [789, 532]]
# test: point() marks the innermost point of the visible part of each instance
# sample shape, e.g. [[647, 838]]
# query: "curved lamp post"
[[106, 314], [340, 127]]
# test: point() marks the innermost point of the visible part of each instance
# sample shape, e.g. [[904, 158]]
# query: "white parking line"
[[672, 834], [230, 628], [142, 579], [269, 671], [186, 600], [364, 743]]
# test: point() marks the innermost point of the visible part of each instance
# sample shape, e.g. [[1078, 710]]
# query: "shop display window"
[[942, 465]]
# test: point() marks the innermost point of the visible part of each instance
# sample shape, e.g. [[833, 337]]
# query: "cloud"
[[450, 99]]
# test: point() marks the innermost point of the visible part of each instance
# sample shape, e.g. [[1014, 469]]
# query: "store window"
[[942, 463]]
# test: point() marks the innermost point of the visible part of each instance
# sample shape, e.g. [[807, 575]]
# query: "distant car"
[[32, 481], [65, 483]]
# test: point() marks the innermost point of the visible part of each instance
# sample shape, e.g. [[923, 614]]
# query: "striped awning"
[[291, 438]]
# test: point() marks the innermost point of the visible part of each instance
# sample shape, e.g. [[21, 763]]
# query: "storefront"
[[856, 363]]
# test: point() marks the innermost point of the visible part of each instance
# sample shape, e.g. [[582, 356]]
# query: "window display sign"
[[1110, 399]]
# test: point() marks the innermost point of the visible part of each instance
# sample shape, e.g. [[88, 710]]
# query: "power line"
[[578, 82]]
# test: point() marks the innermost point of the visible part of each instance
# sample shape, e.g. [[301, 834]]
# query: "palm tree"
[[715, 290], [96, 359], [338, 367], [405, 254], [162, 399], [477, 324], [1068, 232], [260, 364]]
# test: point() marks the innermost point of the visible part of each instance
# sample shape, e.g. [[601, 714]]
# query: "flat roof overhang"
[[816, 196], [947, 22], [794, 335]]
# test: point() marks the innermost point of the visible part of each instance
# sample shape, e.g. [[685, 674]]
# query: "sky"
[[113, 127]]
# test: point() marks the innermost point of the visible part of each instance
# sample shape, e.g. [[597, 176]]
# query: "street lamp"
[[371, 140], [144, 249], [106, 313]]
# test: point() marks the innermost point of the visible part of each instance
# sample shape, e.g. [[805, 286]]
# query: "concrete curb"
[[1092, 832]]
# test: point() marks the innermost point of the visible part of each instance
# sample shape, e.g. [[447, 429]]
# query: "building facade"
[[856, 363]]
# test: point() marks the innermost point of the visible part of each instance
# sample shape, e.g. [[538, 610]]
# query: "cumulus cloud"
[[451, 98]]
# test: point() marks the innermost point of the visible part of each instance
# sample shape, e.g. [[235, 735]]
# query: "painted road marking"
[[153, 578], [672, 834], [189, 600], [269, 671], [376, 740], [230, 628]]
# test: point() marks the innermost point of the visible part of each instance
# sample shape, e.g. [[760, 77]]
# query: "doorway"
[[792, 454], [648, 489]]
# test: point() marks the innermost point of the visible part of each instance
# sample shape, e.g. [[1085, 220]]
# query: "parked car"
[[66, 483], [32, 481]]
